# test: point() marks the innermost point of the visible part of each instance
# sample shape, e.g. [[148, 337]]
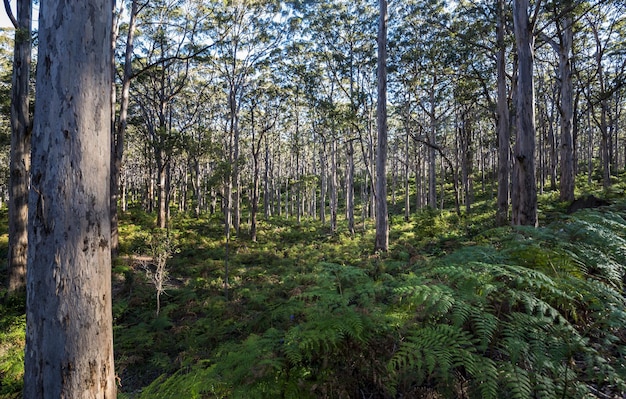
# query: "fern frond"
[[439, 352], [516, 382], [436, 299]]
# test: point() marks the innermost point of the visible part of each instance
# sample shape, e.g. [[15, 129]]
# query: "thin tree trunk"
[[333, 186], [552, 142], [350, 187], [566, 109], [604, 133], [20, 151], [407, 172], [504, 129], [119, 131], [382, 217], [161, 169], [432, 160]]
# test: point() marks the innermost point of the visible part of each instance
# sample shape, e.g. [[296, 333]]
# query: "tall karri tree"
[[69, 334]]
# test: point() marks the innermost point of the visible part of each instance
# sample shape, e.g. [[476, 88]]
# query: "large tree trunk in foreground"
[[69, 334], [20, 151], [524, 189]]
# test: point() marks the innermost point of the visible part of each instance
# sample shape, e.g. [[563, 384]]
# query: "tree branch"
[[7, 7]]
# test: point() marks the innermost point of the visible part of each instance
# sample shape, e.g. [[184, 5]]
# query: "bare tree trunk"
[[524, 190], [162, 189], [566, 109], [382, 217], [552, 142], [69, 334], [602, 123], [20, 151], [254, 208], [119, 131], [407, 173], [333, 185], [504, 127], [323, 184], [432, 160], [467, 160], [350, 187], [197, 189]]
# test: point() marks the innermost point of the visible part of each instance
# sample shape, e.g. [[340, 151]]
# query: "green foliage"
[[516, 312], [520, 312], [12, 341]]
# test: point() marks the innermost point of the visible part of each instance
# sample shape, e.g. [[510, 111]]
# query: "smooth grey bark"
[[524, 188], [467, 159], [69, 334], [567, 183], [407, 173], [257, 139], [382, 217], [604, 111], [432, 140], [267, 192], [19, 164], [334, 185], [350, 186], [323, 181], [552, 138], [503, 123]]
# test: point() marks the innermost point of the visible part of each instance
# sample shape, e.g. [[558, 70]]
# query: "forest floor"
[[456, 309]]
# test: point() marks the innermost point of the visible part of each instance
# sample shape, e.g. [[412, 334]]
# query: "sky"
[[4, 19]]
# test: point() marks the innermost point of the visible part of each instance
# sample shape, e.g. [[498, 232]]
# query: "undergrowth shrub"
[[12, 340], [522, 313]]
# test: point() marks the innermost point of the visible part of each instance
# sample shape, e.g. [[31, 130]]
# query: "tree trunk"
[[266, 182], [333, 185], [552, 142], [69, 334], [197, 190], [382, 218], [323, 183], [161, 168], [504, 130], [432, 160], [566, 109], [467, 160], [119, 131], [254, 207], [604, 109], [407, 173], [524, 189], [20, 151], [350, 187]]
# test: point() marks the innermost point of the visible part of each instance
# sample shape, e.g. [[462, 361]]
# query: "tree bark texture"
[[20, 151], [382, 217], [432, 140], [504, 127], [524, 189], [350, 186], [69, 335], [566, 108]]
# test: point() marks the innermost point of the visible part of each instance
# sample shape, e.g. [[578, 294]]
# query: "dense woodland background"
[[244, 152]]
